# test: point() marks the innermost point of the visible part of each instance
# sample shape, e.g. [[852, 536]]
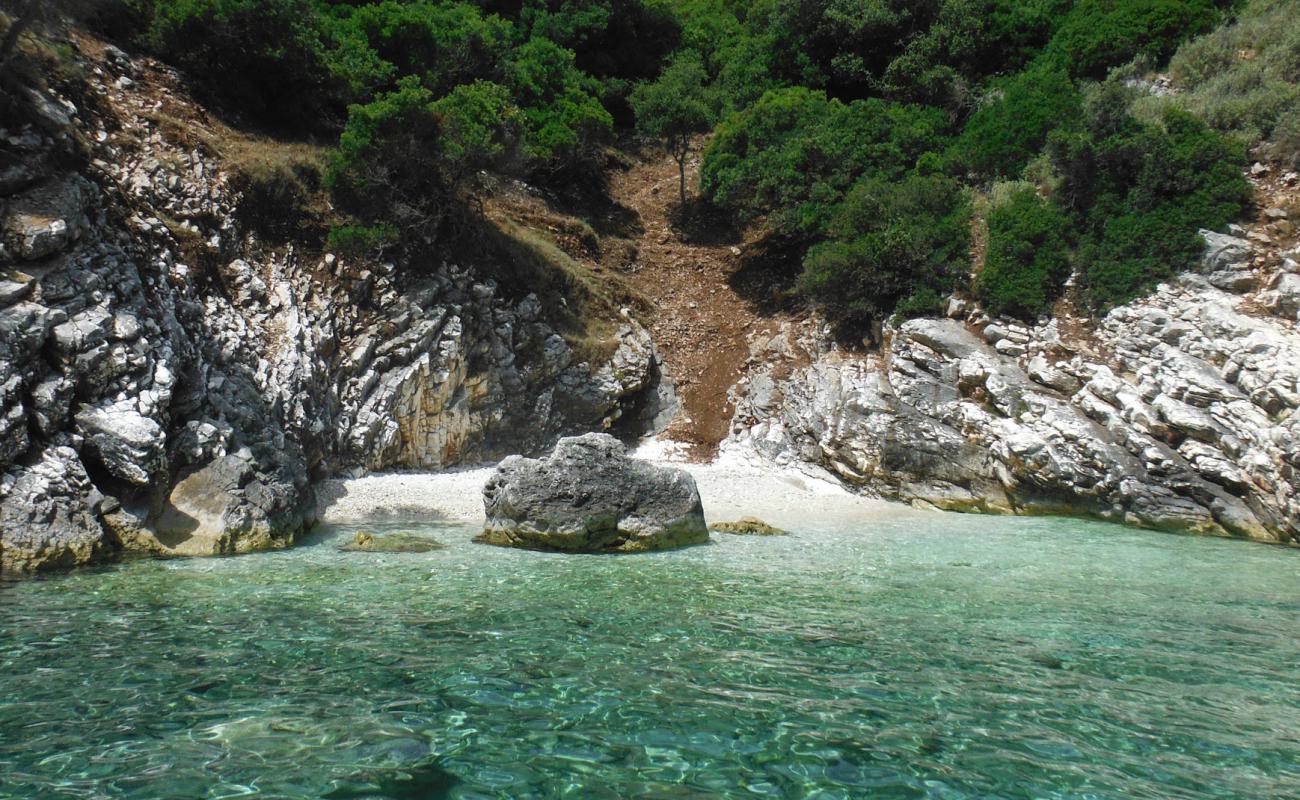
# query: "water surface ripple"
[[917, 656]]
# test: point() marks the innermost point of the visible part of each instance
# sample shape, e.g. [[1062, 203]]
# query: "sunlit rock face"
[[1176, 411], [173, 384], [588, 496]]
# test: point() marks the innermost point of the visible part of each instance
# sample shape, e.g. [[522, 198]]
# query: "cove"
[[917, 655]]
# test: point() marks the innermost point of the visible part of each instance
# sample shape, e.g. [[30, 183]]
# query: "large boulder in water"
[[589, 496]]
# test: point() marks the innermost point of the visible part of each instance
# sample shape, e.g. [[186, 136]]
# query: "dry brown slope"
[[700, 325]]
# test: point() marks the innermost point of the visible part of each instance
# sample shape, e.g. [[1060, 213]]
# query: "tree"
[[673, 107], [388, 172]]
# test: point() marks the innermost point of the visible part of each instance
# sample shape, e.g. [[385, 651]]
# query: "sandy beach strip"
[[729, 488]]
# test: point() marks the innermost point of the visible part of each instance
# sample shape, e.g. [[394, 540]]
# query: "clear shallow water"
[[937, 656]]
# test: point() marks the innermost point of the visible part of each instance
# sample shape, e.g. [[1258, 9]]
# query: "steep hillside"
[[174, 380]]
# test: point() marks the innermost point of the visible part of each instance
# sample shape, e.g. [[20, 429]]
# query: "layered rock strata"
[[173, 384], [1176, 411]]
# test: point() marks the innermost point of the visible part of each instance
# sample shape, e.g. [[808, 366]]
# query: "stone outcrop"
[[1176, 411], [172, 383], [589, 496], [363, 542], [747, 526]]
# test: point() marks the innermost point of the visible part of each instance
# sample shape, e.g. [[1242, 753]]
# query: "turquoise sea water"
[[919, 655]]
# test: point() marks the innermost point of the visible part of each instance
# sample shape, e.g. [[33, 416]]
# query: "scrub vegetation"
[[864, 136]]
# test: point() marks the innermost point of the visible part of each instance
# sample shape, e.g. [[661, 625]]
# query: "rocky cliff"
[[1174, 412], [173, 384]]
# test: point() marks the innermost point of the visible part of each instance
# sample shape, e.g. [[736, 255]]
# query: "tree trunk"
[[681, 175], [681, 149]]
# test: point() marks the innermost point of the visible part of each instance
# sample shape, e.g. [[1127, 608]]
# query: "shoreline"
[[729, 488]]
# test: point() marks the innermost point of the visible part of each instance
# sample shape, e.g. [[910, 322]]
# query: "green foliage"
[[362, 241], [1011, 127], [445, 44], [1243, 77], [794, 154], [1139, 193], [846, 125], [674, 107], [966, 41], [625, 39], [677, 103], [480, 126], [263, 57], [1027, 259], [898, 246], [389, 169], [1098, 35], [564, 121]]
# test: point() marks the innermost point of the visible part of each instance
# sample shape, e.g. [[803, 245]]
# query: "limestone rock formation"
[[589, 496], [1176, 411], [172, 383], [363, 542]]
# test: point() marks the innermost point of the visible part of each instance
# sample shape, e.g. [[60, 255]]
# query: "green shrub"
[[1027, 259], [1139, 193], [561, 113], [795, 153], [1098, 35], [1012, 125], [898, 246], [264, 58], [362, 241], [388, 170], [1243, 77], [444, 44], [623, 39], [480, 127]]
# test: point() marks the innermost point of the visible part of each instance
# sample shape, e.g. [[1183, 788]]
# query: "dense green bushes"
[[1100, 34], [794, 154], [1243, 77], [1027, 259], [563, 120], [1138, 193], [265, 58], [896, 246], [1011, 126], [853, 131], [389, 168]]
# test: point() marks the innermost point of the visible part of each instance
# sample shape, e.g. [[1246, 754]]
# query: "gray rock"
[[589, 496], [46, 219], [1187, 420], [130, 446], [48, 516], [1224, 252]]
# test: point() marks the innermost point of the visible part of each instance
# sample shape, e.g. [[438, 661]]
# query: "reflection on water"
[[922, 655]]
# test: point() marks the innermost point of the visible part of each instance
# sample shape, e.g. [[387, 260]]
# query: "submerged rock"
[[589, 496], [747, 526], [364, 542]]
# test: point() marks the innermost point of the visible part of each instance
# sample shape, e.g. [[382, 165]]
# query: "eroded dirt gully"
[[701, 325]]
